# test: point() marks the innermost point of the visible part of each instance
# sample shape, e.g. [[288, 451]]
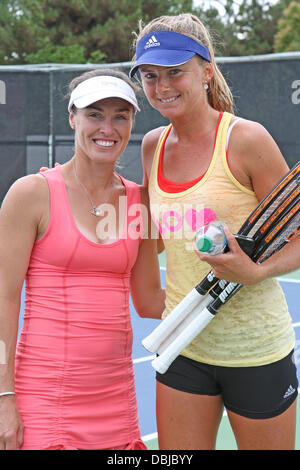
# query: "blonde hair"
[[218, 94]]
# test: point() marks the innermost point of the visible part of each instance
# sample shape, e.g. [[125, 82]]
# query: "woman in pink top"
[[70, 382]]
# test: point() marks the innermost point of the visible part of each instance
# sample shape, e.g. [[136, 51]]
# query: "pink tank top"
[[74, 372]]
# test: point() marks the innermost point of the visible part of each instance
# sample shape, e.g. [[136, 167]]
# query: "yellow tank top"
[[254, 327]]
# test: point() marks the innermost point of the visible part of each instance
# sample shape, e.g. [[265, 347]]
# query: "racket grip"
[[163, 362], [185, 323], [165, 328]]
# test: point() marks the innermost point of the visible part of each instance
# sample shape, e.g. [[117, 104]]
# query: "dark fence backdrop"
[[34, 128]]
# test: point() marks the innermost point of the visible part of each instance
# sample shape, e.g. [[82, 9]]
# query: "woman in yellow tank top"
[[243, 360]]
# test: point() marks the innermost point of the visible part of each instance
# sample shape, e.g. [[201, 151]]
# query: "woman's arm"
[[19, 222], [256, 161], [148, 149], [147, 295]]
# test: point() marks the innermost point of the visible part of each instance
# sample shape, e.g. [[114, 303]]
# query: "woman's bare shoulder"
[[27, 195]]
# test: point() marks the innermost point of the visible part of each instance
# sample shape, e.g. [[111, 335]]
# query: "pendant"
[[95, 211]]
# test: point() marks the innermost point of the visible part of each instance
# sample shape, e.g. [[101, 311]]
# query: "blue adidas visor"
[[167, 48]]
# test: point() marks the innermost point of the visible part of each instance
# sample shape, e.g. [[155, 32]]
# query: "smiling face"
[[102, 130], [176, 90]]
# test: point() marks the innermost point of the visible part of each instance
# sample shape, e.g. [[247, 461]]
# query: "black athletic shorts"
[[254, 392]]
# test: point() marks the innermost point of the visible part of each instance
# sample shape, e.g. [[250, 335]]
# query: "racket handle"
[[163, 362], [184, 324], [165, 328]]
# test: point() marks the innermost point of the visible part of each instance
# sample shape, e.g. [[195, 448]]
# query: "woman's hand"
[[11, 426], [45, 168], [235, 265]]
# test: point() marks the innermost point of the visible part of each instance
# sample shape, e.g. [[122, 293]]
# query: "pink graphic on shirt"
[[195, 219], [175, 215]]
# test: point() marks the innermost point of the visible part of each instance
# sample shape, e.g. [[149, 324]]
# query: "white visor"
[[98, 88]]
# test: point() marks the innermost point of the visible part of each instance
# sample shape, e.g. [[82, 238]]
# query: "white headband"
[[98, 88]]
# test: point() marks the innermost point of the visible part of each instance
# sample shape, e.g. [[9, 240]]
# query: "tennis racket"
[[256, 219], [283, 232]]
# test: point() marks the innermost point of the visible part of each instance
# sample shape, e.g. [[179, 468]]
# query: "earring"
[[205, 86]]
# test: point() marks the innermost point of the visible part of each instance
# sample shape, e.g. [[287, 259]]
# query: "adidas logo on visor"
[[152, 42]]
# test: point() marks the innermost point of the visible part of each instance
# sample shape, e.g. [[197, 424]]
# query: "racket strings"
[[273, 207], [289, 234]]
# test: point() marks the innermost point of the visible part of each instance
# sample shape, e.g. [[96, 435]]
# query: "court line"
[[153, 356], [149, 437], [283, 279], [144, 359]]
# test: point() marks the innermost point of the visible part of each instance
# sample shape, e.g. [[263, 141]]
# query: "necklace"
[[94, 210]]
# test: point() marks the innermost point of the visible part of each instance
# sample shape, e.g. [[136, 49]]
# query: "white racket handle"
[[165, 328], [184, 324], [163, 362]]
